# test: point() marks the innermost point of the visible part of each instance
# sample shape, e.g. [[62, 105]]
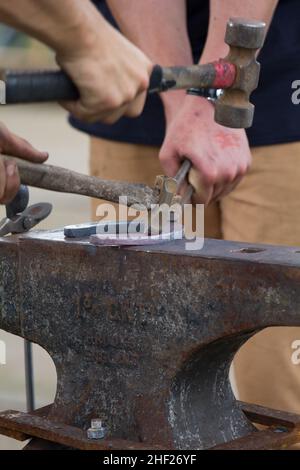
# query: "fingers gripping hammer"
[[237, 75]]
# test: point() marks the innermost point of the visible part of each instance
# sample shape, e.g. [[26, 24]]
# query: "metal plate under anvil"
[[143, 337]]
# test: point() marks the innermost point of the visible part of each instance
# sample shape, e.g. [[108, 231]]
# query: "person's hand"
[[220, 156], [14, 146], [111, 74]]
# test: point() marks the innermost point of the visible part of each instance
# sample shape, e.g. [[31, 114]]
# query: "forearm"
[[220, 156], [64, 25], [157, 27], [221, 11]]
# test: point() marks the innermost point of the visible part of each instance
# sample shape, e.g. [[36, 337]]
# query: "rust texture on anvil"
[[268, 439], [23, 426], [268, 417], [143, 338], [283, 430], [283, 433]]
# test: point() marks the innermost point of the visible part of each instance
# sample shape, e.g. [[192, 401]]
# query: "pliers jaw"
[[20, 218]]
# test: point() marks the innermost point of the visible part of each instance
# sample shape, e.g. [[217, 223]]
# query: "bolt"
[[97, 430]]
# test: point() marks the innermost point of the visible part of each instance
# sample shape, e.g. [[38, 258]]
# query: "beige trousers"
[[265, 208]]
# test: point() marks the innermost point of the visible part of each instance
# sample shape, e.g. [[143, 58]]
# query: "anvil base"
[[143, 338]]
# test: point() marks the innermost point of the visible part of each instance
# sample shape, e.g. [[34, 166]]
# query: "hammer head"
[[245, 38]]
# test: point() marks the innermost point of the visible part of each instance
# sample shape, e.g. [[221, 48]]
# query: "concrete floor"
[[46, 127]]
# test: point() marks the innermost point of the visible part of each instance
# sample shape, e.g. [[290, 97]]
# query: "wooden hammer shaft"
[[58, 179]]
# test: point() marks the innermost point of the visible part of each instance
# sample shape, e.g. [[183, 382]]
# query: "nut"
[[97, 430]]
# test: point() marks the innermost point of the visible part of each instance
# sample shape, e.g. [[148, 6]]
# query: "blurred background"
[[46, 127]]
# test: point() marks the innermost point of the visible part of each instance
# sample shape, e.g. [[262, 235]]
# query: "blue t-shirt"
[[277, 119]]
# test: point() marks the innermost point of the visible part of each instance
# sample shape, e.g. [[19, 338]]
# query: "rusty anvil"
[[143, 339], [237, 75]]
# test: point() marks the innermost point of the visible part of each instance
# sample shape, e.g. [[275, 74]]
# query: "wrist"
[[191, 105], [172, 103], [199, 106]]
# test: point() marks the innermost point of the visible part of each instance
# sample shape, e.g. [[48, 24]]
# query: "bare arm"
[[220, 156], [53, 22], [110, 72], [159, 28], [221, 11]]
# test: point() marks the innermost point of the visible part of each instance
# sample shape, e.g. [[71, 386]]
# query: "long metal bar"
[[282, 431], [30, 425], [183, 172]]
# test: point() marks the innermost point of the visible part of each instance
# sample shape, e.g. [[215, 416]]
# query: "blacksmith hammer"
[[237, 75]]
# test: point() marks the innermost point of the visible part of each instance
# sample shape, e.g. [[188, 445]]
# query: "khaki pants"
[[265, 208]]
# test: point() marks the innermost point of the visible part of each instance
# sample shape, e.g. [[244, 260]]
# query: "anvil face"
[[143, 338]]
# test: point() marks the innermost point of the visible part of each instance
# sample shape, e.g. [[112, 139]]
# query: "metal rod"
[[183, 172], [186, 198], [29, 376]]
